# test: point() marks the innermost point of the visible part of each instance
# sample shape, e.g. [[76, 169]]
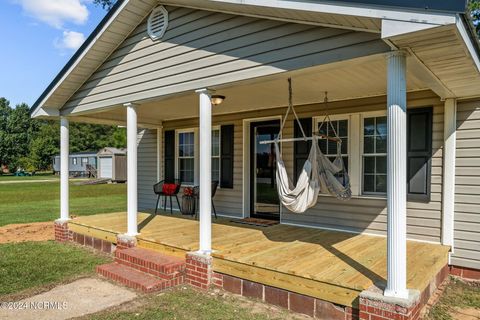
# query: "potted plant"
[[188, 201]]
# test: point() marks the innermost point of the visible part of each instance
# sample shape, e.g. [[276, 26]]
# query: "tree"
[[106, 4], [5, 111], [474, 8]]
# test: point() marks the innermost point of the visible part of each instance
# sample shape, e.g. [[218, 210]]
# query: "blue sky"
[[38, 37]]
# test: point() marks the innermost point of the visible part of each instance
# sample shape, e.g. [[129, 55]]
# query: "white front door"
[[106, 166]]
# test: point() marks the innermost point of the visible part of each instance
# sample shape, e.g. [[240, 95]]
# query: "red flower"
[[188, 191]]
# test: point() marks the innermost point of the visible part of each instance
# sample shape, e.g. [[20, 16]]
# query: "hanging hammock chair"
[[318, 174]]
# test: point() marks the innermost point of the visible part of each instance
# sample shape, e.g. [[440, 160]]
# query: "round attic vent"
[[157, 23]]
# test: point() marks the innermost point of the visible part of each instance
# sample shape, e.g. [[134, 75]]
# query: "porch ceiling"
[[359, 78]]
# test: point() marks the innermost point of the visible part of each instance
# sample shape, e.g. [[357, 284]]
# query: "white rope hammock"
[[319, 174]]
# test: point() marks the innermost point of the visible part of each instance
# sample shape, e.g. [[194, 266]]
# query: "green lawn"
[[36, 202], [187, 304], [31, 265]]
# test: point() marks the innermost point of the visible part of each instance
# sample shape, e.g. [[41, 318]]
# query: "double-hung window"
[[186, 157], [375, 155], [339, 128]]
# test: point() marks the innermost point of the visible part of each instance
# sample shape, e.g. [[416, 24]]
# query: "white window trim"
[[196, 155], [363, 115]]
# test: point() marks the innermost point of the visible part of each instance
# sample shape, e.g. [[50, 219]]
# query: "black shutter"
[[226, 156], [419, 153], [301, 149], [169, 155]]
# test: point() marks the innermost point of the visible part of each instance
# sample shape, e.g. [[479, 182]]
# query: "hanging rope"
[[319, 173], [290, 107]]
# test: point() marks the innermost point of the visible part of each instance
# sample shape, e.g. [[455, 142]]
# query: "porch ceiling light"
[[217, 99]]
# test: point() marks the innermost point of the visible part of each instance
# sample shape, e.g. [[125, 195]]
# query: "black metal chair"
[[158, 190], [196, 192]]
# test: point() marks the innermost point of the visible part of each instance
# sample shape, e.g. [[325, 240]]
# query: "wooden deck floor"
[[333, 266]]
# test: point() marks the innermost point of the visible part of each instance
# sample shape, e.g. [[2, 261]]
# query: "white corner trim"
[[449, 154], [392, 28], [46, 112]]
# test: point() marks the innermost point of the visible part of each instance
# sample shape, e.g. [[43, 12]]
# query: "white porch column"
[[64, 172], [397, 176], [449, 146], [132, 205], [205, 171]]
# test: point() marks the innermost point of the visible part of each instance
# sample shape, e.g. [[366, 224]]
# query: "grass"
[[188, 304], [37, 202], [37, 176], [458, 294], [30, 265]]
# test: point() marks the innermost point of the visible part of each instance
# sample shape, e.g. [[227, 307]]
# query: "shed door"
[[106, 168]]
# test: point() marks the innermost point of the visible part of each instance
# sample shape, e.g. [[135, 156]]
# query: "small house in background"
[[81, 164], [112, 164]]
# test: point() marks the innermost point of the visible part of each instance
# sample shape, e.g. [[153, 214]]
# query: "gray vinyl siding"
[[147, 168], [361, 214], [467, 187], [204, 49]]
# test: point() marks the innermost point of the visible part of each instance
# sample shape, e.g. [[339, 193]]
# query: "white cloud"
[[71, 40], [56, 12]]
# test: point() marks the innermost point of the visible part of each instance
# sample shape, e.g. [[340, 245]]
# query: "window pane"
[[381, 144], [381, 165], [369, 126], [186, 167], [215, 169], [369, 164], [368, 183], [368, 145], [332, 147], [215, 142], [343, 128], [381, 183], [344, 145], [345, 163], [186, 147], [323, 129], [323, 145], [381, 128]]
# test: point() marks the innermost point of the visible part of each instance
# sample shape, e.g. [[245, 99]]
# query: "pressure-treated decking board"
[[333, 266]]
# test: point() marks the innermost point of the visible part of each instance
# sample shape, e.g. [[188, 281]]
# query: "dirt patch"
[[466, 314], [68, 301], [39, 231]]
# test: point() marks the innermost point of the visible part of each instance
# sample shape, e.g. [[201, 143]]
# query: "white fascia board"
[[468, 42], [350, 10], [87, 49], [392, 28], [45, 112]]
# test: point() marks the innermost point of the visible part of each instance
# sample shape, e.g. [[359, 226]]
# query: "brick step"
[[136, 279], [154, 263]]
